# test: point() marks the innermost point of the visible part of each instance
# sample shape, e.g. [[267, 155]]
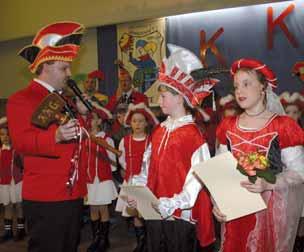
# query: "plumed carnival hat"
[[3, 122], [58, 41], [142, 109], [298, 69], [295, 98], [97, 74], [175, 73], [257, 66]]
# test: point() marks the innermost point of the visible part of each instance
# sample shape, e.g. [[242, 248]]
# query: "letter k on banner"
[[271, 24], [210, 44]]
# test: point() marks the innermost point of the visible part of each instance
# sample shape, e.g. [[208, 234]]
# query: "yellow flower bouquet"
[[255, 164]]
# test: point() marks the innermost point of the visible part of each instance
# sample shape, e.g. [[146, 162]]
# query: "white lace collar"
[[172, 124]]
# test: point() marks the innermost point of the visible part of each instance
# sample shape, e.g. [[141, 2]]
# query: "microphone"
[[73, 85], [204, 73]]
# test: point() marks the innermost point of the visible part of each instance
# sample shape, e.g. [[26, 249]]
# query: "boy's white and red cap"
[[257, 66], [295, 98], [3, 122], [58, 41], [142, 109], [175, 73]]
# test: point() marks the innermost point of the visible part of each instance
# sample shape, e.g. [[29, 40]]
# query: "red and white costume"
[[10, 176], [132, 154], [177, 145], [133, 149], [172, 177], [130, 160], [274, 229], [101, 188]]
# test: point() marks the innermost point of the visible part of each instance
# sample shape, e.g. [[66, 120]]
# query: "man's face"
[[125, 83], [57, 73]]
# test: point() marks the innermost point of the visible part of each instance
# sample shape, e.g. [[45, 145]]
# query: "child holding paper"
[[176, 145], [263, 129], [140, 118]]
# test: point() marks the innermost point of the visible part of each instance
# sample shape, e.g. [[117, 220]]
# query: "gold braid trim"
[[33, 67]]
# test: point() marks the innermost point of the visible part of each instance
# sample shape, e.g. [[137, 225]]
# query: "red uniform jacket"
[[135, 98], [46, 164], [169, 166], [9, 167]]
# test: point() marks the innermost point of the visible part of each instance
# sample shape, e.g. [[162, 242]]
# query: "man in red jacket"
[[53, 183], [125, 93]]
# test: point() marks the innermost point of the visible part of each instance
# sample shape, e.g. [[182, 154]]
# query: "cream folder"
[[220, 176]]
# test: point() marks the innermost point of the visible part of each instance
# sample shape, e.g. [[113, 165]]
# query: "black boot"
[[299, 244], [20, 233], [96, 236], [8, 231], [140, 238], [104, 243]]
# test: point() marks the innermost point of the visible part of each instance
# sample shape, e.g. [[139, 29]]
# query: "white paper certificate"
[[220, 176], [144, 198]]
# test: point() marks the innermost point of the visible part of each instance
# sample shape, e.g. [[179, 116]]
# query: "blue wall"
[[245, 35]]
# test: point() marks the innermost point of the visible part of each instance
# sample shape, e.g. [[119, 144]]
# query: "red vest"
[[47, 165], [134, 151], [97, 163]]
